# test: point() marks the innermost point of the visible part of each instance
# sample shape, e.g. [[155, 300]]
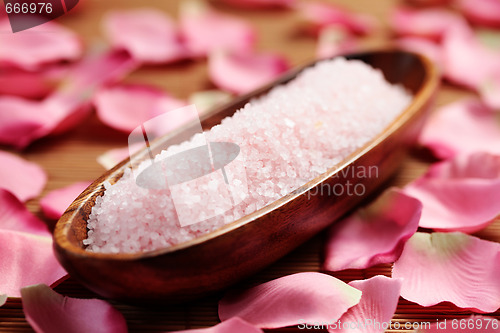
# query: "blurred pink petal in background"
[[23, 121], [465, 126], [15, 216], [260, 4], [48, 312], [303, 297], [481, 12], [467, 61], [241, 72], [452, 267], [424, 46], [44, 44], [431, 23], [128, 106], [22, 178], [55, 202], [377, 306], [149, 35], [321, 15], [205, 30], [335, 40], [30, 84], [373, 235], [462, 194], [26, 259], [232, 325]]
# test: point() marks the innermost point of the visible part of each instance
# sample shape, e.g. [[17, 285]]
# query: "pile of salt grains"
[[287, 137]]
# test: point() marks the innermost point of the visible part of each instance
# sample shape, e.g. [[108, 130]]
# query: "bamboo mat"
[[72, 157]]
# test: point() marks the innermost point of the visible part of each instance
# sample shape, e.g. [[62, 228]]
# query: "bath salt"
[[286, 138]]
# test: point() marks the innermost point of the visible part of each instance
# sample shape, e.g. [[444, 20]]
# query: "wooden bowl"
[[241, 248]]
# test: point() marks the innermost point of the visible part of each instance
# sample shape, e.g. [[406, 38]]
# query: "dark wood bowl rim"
[[63, 226]]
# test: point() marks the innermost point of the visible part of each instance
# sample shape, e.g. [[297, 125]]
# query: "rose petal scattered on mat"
[[428, 3], [452, 267], [23, 121], [26, 259], [479, 130], [481, 12], [128, 106], [15, 216], [461, 51], [462, 194], [47, 311], [3, 299], [425, 46], [205, 30], [377, 306], [490, 92], [480, 324], [46, 43], [321, 15], [373, 235], [54, 204], [243, 72], [333, 41], [24, 179], [307, 297], [205, 100], [258, 4], [29, 84], [149, 35], [231, 325], [431, 23]]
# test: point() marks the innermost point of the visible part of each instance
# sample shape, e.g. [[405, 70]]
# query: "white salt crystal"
[[286, 138]]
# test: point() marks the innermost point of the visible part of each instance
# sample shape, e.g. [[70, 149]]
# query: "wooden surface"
[[72, 157]]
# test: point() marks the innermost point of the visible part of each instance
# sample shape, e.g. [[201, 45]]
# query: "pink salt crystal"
[[291, 135]]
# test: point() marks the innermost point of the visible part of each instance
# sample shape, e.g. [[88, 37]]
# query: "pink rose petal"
[[452, 267], [467, 61], [333, 41], [24, 179], [479, 131], [373, 235], [482, 12], [29, 84], [428, 3], [26, 259], [474, 323], [321, 15], [462, 194], [54, 204], [126, 107], [30, 49], [425, 46], [431, 23], [15, 216], [243, 72], [231, 325], [302, 297], [149, 35], [23, 121], [377, 306], [260, 4], [48, 311], [205, 30]]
